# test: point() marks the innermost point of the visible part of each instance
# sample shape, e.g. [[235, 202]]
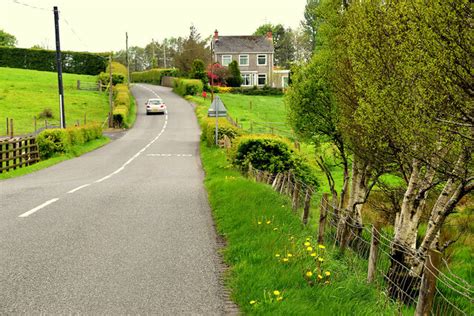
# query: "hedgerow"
[[188, 86], [58, 141], [153, 76], [208, 126]]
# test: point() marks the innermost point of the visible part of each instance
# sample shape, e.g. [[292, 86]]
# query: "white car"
[[155, 106]]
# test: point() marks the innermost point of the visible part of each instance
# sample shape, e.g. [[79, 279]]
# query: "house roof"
[[243, 44]]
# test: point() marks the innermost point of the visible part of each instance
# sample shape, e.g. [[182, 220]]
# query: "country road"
[[125, 229]]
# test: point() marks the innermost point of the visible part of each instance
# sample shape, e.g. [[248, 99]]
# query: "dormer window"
[[262, 60]]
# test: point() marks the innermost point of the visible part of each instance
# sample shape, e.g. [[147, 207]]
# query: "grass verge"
[[261, 232], [76, 151]]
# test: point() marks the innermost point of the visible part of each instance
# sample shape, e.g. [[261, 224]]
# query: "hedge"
[[58, 141], [153, 76], [45, 60], [187, 86], [121, 105], [270, 153], [208, 128]]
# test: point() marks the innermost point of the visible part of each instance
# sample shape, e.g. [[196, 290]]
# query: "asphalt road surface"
[[125, 229]]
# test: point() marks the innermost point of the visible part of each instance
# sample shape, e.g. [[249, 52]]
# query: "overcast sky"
[[100, 25]]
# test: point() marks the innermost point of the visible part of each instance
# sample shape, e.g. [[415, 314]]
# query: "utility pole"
[[153, 60], [164, 53], [111, 102], [60, 69], [128, 63]]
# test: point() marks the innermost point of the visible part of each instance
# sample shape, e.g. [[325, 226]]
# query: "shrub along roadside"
[[153, 76], [60, 141], [208, 126], [267, 252], [187, 86], [122, 106]]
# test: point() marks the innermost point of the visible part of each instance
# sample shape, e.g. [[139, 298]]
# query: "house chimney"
[[216, 35], [270, 36]]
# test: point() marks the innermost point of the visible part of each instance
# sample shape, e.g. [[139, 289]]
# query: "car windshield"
[[155, 102]]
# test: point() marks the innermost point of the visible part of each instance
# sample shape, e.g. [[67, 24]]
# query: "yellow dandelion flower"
[[279, 298], [259, 223], [320, 259], [314, 254], [309, 274], [327, 273], [285, 259], [309, 248], [320, 276], [277, 255], [269, 222], [276, 293], [252, 302], [307, 244], [289, 255], [322, 247], [308, 238]]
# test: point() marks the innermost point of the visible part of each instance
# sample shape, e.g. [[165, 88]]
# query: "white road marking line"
[[138, 153], [26, 214], [78, 188], [169, 155]]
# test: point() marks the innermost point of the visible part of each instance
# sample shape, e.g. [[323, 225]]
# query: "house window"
[[262, 60], [246, 79], [243, 60], [226, 60], [284, 81], [262, 79]]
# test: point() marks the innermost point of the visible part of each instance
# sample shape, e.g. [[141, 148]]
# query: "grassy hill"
[[24, 94]]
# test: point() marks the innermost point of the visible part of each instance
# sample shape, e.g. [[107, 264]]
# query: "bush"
[[224, 89], [270, 153], [52, 141], [46, 113], [208, 127], [104, 78], [266, 91], [119, 69], [58, 141], [188, 86], [45, 60], [153, 76], [120, 115]]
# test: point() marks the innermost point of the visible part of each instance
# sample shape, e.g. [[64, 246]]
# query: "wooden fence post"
[[78, 84], [296, 197], [307, 204], [8, 128], [281, 189], [374, 251], [11, 128], [289, 184], [428, 283], [85, 118], [322, 218]]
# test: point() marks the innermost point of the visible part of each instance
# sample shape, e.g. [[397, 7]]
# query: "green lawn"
[[24, 94]]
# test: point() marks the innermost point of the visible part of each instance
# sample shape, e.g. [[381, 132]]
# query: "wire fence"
[[432, 290]]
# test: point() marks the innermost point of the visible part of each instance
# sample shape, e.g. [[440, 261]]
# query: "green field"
[[24, 94]]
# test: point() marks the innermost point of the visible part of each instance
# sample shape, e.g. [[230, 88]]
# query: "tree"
[[311, 22], [283, 42], [7, 39], [415, 94], [216, 73], [198, 71], [193, 48], [234, 79]]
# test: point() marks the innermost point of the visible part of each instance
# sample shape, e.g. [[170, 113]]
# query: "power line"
[[74, 32], [30, 6]]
